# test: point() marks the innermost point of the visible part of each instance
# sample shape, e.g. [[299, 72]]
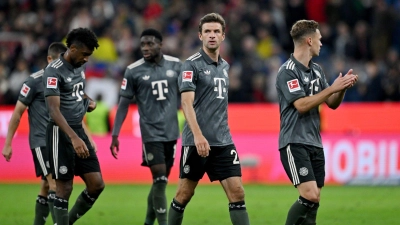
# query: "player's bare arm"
[[12, 128], [92, 103], [54, 111], [347, 81], [122, 111], [203, 148]]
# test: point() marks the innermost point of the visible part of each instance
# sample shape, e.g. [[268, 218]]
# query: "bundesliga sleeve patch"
[[124, 83], [51, 82], [187, 76], [25, 90], [293, 85]]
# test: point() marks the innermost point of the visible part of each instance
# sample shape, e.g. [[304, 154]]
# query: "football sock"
[[298, 212], [50, 202], [61, 210], [83, 203], [150, 214], [238, 213], [175, 213], [160, 199], [311, 218], [41, 210]]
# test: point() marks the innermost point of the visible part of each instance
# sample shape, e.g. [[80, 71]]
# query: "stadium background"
[[361, 138]]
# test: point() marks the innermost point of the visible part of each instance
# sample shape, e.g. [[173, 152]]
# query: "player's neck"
[[303, 56], [213, 54]]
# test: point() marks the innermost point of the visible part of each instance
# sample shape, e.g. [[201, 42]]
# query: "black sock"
[[50, 202], [238, 213], [150, 213], [41, 210], [61, 210], [160, 199], [83, 203], [175, 213], [311, 218], [298, 212]]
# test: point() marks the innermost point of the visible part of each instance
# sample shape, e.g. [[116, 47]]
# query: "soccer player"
[[153, 81], [302, 86], [31, 97], [207, 145], [71, 152]]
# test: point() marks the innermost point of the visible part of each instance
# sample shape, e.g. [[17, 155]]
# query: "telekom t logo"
[[78, 91], [220, 86], [160, 90]]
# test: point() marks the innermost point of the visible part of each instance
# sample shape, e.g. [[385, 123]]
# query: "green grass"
[[126, 204]]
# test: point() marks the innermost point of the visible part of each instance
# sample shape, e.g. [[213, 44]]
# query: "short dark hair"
[[82, 36], [303, 27], [210, 18], [152, 32], [55, 49]]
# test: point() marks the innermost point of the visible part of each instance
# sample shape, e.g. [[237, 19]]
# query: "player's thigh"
[[86, 165], [318, 164], [192, 166], [296, 161], [223, 162], [61, 152], [41, 161]]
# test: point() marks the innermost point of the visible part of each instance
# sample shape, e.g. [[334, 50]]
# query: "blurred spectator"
[[97, 120]]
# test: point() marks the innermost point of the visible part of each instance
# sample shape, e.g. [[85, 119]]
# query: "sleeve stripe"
[[195, 55], [171, 58], [136, 64]]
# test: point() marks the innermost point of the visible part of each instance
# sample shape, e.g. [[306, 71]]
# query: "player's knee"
[[183, 196], [236, 194], [312, 196]]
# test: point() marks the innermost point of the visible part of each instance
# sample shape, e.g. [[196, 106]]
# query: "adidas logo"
[[161, 210], [207, 72], [146, 77]]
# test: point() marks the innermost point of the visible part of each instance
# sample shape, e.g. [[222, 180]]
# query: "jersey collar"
[[301, 66], [66, 63], [160, 64], [208, 59]]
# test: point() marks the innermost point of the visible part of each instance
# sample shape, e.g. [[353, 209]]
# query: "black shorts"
[[65, 163], [159, 153], [304, 163], [41, 161], [222, 162]]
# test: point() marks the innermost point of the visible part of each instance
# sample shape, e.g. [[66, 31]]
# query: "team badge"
[[225, 73], [124, 83], [25, 90], [63, 169], [187, 76], [186, 169], [303, 171], [150, 156], [293, 85], [51, 82], [170, 73]]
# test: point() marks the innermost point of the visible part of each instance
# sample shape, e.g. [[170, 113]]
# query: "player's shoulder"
[[171, 58], [195, 57], [136, 64], [53, 67], [315, 65], [37, 74], [287, 67]]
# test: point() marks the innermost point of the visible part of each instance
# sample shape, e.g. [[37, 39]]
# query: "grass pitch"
[[266, 205]]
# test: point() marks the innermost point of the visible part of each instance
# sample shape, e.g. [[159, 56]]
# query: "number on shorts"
[[235, 161]]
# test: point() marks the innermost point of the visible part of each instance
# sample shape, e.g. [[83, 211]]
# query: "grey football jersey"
[[62, 79], [295, 81], [210, 81], [155, 87], [31, 95]]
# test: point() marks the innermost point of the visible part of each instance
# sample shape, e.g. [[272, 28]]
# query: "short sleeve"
[[187, 77], [290, 85], [51, 82], [28, 91], [127, 85]]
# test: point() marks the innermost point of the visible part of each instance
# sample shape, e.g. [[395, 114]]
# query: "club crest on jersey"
[[225, 73], [25, 90], [170, 73], [187, 76], [51, 82], [293, 85], [124, 83]]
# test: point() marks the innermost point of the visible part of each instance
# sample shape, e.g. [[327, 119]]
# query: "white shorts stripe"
[[185, 155], [55, 150], [292, 165], [39, 156]]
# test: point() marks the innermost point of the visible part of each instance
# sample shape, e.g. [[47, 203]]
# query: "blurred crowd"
[[359, 34]]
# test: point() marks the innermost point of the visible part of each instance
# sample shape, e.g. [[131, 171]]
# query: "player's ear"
[[200, 36], [309, 41]]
